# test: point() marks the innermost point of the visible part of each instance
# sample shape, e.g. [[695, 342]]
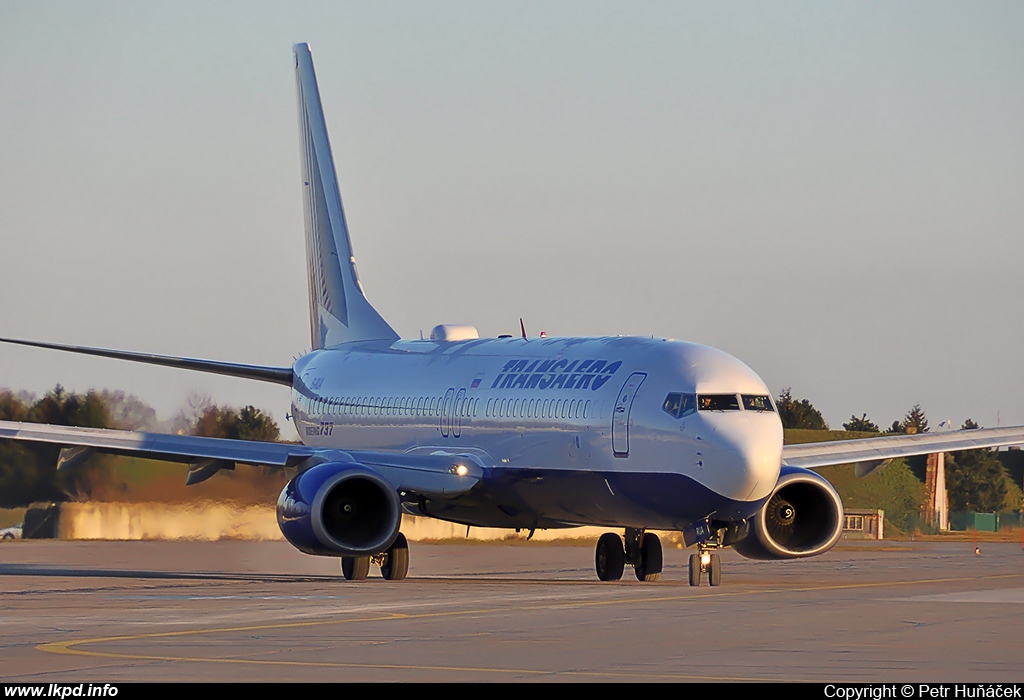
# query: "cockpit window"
[[757, 403], [718, 402], [678, 405]]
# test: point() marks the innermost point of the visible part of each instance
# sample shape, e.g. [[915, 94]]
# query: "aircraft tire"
[[695, 572], [651, 559], [610, 558], [396, 560], [355, 568], [715, 570]]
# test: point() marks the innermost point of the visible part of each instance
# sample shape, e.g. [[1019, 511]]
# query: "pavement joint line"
[[68, 646]]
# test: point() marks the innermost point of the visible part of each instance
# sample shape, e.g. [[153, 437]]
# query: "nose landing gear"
[[642, 551], [706, 561]]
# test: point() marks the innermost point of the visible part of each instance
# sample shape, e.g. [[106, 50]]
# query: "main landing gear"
[[706, 561], [641, 550], [394, 563]]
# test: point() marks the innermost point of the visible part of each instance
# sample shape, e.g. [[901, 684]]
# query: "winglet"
[[338, 308]]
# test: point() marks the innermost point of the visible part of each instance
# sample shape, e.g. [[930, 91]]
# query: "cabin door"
[[459, 409], [620, 415], [446, 412]]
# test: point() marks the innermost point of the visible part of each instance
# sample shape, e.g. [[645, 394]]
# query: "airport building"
[[864, 524]]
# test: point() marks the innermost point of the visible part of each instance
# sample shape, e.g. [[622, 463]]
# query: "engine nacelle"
[[338, 509], [803, 518]]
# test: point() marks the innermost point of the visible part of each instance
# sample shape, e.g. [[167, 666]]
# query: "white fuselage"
[[582, 420]]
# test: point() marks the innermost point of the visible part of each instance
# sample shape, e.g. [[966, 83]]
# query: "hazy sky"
[[832, 192]]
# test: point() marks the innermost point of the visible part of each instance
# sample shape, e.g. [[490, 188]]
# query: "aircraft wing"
[[869, 454], [263, 373], [428, 475]]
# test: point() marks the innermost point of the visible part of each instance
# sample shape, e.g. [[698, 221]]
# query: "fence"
[[961, 522]]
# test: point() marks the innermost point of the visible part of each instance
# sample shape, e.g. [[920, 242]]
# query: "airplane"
[[632, 434]]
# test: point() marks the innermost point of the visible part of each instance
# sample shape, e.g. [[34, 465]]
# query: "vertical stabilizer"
[[338, 310]]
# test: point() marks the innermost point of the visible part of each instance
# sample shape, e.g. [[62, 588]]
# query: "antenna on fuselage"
[[522, 327]]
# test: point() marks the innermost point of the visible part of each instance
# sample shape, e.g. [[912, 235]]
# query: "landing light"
[[705, 559], [459, 469]]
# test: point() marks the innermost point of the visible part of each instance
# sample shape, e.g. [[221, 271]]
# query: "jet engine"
[[338, 509], [802, 518]]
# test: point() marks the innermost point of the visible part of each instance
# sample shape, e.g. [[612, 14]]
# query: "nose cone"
[[744, 454]]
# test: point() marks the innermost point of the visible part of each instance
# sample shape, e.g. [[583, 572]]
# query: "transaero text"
[[555, 374]]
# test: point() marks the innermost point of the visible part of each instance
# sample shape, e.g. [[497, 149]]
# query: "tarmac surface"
[[250, 611]]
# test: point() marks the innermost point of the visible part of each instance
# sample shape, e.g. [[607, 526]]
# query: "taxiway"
[[246, 611]]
